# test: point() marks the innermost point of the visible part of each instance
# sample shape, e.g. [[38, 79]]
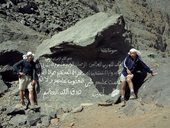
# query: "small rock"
[[14, 111], [33, 119], [86, 104], [18, 120], [78, 109], [152, 55], [45, 121], [4, 125], [52, 115], [2, 108], [72, 124], [55, 121], [65, 116]]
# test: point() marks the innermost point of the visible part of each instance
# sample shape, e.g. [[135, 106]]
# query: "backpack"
[[38, 67]]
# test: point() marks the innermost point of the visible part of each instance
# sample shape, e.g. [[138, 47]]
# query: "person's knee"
[[129, 78], [31, 92], [21, 91]]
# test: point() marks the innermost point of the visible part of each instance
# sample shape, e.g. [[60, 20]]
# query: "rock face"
[[45, 16], [100, 6], [81, 63], [156, 89], [16, 36], [3, 87], [50, 17], [148, 21]]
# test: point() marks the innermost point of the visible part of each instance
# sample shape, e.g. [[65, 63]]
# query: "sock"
[[122, 97], [132, 91]]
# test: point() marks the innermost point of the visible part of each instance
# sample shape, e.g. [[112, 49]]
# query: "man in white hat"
[[131, 65], [27, 77]]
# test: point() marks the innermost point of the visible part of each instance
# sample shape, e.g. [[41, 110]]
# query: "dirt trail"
[[114, 117]]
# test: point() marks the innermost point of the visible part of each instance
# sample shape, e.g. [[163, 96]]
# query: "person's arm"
[[126, 65], [34, 75], [17, 66], [147, 69]]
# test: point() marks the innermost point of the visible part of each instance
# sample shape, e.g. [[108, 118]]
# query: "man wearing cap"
[[131, 65], [27, 77]]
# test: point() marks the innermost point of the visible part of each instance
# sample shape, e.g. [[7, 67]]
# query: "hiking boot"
[[123, 102], [132, 96], [20, 106], [34, 107]]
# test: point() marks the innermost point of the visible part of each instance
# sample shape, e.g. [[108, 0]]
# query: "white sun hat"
[[30, 53], [135, 50]]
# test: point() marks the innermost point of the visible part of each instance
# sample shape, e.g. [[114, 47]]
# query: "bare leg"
[[21, 94], [131, 87], [31, 97], [130, 83], [122, 93], [27, 97], [35, 97], [122, 89]]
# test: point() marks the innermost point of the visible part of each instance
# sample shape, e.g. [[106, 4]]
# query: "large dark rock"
[[90, 32], [81, 63]]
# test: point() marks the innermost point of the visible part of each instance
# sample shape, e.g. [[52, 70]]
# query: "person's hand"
[[128, 71], [21, 74], [33, 83], [154, 73]]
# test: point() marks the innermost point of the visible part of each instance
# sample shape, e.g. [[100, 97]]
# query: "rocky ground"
[[151, 109], [135, 114], [80, 45]]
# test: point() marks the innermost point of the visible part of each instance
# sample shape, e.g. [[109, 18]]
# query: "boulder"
[[88, 32], [156, 89], [80, 64], [3, 86]]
